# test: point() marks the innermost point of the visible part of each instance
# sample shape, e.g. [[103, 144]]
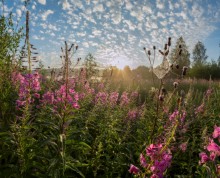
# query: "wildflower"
[[101, 98], [213, 147], [124, 100], [133, 169], [216, 132], [133, 114], [143, 161], [200, 109], [204, 158], [174, 115], [208, 92], [113, 98], [212, 156], [183, 146]]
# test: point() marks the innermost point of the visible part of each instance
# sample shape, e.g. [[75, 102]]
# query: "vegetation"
[[131, 123]]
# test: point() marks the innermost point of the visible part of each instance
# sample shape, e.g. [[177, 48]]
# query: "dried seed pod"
[[175, 84], [164, 91], [76, 47], [184, 70], [165, 47], [149, 53], [161, 97], [167, 52], [171, 66], [177, 66], [154, 47], [169, 41], [144, 48], [161, 52]]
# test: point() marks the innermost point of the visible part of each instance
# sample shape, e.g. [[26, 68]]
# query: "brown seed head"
[[169, 41], [165, 47], [149, 53], [154, 47], [175, 84], [161, 52]]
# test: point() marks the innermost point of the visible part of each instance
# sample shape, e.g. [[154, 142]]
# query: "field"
[[81, 128], [85, 120]]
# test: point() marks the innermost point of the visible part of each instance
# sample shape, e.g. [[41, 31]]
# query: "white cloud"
[[159, 4], [43, 2], [18, 11], [98, 8], [45, 14]]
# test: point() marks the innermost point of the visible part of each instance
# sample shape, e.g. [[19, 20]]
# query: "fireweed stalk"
[[64, 96], [158, 157]]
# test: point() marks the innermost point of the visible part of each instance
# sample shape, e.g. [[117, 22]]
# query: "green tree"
[[91, 66], [199, 54], [184, 58]]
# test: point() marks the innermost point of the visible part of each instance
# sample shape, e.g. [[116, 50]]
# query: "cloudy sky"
[[115, 31]]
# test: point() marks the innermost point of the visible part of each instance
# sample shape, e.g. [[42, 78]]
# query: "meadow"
[[76, 126]]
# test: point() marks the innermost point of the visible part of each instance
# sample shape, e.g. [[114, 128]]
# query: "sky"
[[115, 31]]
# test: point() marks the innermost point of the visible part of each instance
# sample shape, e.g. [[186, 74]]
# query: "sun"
[[121, 61]]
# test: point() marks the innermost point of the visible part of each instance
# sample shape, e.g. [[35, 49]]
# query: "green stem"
[[157, 112]]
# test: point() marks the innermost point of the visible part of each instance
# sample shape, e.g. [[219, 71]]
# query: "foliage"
[[199, 54]]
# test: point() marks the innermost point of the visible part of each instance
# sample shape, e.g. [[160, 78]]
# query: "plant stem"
[[157, 112]]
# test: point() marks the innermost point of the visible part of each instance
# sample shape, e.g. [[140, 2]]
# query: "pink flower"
[[200, 109], [154, 176], [183, 146], [124, 100], [204, 158], [213, 147], [153, 150], [133, 114], [212, 156], [143, 161], [133, 169], [216, 132], [113, 98], [174, 115]]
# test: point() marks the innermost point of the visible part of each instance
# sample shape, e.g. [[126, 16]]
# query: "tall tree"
[[91, 66], [184, 58], [199, 54], [180, 56]]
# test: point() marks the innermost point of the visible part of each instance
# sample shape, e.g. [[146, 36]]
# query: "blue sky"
[[115, 31]]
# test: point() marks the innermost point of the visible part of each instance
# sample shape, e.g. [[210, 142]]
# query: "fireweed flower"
[[60, 98], [143, 161], [174, 115], [133, 114], [213, 147], [183, 146], [124, 100], [101, 98], [113, 98], [204, 158], [208, 92], [200, 109], [29, 86], [161, 160], [216, 132], [133, 169]]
